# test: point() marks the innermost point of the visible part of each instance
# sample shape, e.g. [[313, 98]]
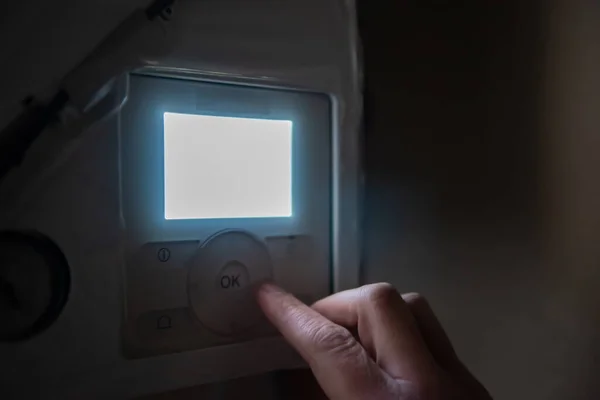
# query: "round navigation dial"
[[222, 275], [34, 284]]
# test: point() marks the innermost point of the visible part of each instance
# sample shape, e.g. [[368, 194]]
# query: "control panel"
[[222, 187]]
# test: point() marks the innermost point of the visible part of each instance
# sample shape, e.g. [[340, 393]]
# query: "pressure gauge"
[[34, 284]]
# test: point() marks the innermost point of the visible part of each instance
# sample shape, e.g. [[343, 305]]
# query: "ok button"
[[233, 276]]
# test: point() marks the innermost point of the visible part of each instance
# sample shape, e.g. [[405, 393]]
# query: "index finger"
[[340, 364]]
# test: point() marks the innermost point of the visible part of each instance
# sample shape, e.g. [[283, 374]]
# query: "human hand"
[[399, 349]]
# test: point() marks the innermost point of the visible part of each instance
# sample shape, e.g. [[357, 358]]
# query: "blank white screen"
[[223, 167]]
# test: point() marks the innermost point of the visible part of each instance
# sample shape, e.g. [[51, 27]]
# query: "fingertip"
[[268, 294], [266, 290], [268, 287]]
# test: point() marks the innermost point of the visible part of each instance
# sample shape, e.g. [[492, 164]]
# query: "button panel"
[[187, 295]]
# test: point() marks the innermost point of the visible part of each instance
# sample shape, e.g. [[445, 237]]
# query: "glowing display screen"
[[223, 167]]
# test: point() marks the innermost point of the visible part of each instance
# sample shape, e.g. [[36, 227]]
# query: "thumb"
[[341, 365]]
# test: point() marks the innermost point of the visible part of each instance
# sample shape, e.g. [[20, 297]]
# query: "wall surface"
[[483, 132]]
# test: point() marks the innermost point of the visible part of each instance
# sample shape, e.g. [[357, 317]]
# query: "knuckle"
[[333, 338], [381, 294], [415, 299]]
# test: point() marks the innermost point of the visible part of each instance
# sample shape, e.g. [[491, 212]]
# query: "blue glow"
[[224, 167]]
